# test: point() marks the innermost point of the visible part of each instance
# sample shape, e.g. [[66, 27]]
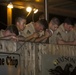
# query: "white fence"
[[31, 53]]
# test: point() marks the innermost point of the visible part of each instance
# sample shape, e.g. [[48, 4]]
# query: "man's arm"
[[32, 37], [44, 37], [66, 43]]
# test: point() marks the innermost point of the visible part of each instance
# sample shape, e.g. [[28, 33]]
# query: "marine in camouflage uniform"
[[34, 30], [65, 34]]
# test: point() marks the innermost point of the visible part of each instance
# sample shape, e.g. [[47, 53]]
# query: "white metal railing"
[[31, 53]]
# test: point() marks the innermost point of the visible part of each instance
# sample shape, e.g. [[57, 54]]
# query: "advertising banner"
[[58, 65], [9, 64]]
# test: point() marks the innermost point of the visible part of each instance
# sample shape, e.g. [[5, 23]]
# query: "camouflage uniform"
[[53, 38], [66, 36], [29, 30], [7, 45]]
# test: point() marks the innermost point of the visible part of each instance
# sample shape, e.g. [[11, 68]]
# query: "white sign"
[[58, 65], [9, 64]]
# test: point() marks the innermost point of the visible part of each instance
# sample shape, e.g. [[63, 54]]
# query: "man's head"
[[41, 17], [11, 30], [67, 24], [54, 23], [20, 23], [41, 25]]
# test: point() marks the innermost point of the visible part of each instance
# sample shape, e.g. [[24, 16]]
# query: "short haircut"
[[42, 16], [68, 21], [13, 29], [55, 20], [18, 19], [44, 23]]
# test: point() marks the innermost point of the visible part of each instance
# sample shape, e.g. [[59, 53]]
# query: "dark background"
[[21, 12]]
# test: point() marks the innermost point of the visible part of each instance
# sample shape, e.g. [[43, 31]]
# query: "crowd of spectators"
[[41, 31]]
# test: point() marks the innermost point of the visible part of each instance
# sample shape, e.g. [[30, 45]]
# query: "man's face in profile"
[[67, 27], [22, 24], [39, 27]]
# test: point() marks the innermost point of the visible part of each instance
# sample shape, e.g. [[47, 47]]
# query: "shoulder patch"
[[28, 32]]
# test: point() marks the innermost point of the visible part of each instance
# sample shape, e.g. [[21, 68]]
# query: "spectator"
[[20, 23], [33, 30], [50, 32], [9, 31], [65, 34]]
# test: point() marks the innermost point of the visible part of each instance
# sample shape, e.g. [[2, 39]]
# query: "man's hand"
[[35, 35], [61, 42], [47, 33], [14, 38], [74, 43]]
